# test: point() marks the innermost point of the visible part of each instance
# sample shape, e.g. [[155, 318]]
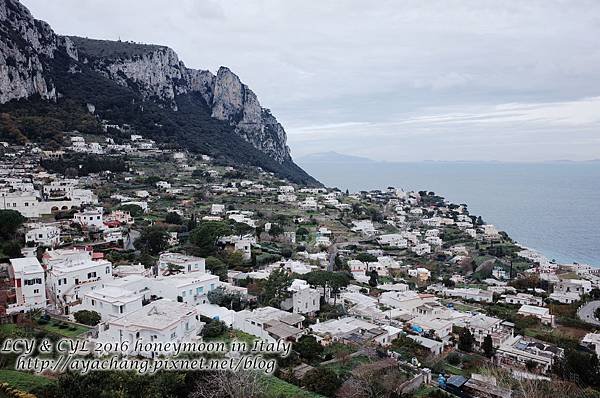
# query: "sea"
[[553, 207]]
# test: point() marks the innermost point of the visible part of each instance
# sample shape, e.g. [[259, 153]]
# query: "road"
[[586, 313]]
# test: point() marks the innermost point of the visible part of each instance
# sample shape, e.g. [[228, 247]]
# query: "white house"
[[570, 290], [269, 323], [421, 249], [29, 282], [523, 299], [304, 300], [396, 240], [543, 314], [363, 226], [592, 340], [72, 273], [182, 262], [351, 328], [90, 218], [45, 235], [160, 321], [112, 302], [217, 209], [190, 288], [25, 202]]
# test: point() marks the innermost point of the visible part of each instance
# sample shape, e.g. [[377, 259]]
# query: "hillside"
[[51, 83]]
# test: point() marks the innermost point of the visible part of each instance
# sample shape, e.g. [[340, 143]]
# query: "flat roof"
[[26, 265], [158, 315]]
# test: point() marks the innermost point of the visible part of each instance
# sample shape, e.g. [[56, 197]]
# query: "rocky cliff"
[[25, 44], [159, 74], [30, 52]]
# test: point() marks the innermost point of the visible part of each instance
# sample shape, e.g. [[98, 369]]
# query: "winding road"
[[586, 312]]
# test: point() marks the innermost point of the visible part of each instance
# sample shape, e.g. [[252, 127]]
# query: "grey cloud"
[[382, 65]]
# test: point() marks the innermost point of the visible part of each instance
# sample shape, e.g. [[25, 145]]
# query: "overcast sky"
[[394, 80]]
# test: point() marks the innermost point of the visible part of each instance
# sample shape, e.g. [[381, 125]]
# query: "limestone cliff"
[[159, 74], [37, 63], [25, 46]]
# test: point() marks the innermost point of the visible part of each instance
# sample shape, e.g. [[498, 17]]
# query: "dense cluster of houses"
[[395, 289]]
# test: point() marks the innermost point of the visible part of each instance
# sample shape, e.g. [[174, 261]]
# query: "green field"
[[66, 332], [23, 381], [277, 388]]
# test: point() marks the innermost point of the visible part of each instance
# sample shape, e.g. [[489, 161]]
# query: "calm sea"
[[551, 207]]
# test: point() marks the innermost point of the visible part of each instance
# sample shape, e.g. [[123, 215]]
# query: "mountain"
[[50, 83]]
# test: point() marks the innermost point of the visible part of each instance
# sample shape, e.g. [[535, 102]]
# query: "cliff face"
[[28, 47], [25, 46], [158, 74]]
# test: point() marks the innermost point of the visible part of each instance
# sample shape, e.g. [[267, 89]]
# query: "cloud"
[[474, 64], [511, 131]]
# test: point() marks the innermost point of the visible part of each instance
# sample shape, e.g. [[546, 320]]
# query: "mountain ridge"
[[144, 78]]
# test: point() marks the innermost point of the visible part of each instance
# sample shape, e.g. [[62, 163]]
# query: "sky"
[[402, 80]]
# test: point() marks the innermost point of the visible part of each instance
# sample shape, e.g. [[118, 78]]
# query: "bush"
[[91, 318]]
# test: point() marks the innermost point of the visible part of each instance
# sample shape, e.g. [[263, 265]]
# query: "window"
[[36, 291], [108, 270], [93, 303]]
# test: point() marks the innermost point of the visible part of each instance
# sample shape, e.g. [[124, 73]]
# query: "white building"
[[90, 218], [181, 262], [112, 302], [269, 323], [304, 300], [72, 273], [474, 294], [421, 249], [27, 276], [190, 288], [543, 314], [568, 291], [363, 226], [523, 299], [25, 202], [349, 328], [396, 240], [592, 340], [160, 321], [217, 209], [45, 235]]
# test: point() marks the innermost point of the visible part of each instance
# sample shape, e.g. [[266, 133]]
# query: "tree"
[[86, 317], [173, 218], [488, 346], [337, 281], [214, 328], [308, 348], [323, 381], [207, 234], [373, 279], [152, 240], [12, 249], [134, 210], [229, 384], [276, 230], [366, 258], [302, 232], [276, 288], [465, 340], [10, 221], [235, 259], [217, 267]]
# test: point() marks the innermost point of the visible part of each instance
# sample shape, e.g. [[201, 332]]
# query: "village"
[[112, 240]]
